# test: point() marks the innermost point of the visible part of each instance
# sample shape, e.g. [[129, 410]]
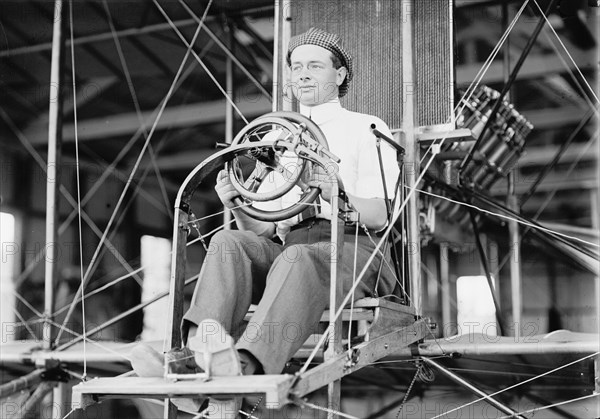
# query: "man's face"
[[314, 78]]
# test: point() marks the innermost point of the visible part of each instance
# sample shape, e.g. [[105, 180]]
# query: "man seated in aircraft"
[[289, 282]]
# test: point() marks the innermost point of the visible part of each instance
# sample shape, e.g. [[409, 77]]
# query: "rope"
[[518, 384], [78, 186]]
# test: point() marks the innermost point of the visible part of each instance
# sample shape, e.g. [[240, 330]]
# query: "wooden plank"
[[363, 309], [363, 355], [356, 314], [274, 387]]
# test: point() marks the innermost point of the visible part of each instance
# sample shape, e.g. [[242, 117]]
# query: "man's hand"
[[320, 178], [225, 189]]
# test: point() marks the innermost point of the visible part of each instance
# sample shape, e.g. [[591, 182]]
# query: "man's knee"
[[224, 244]]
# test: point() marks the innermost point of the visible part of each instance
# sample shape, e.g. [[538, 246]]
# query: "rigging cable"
[[83, 320]]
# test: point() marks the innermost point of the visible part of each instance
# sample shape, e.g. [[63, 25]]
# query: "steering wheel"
[[278, 136]]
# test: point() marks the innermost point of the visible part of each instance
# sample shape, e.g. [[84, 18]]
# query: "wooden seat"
[[380, 315]]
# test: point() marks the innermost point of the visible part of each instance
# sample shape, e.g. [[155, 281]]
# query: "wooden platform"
[[390, 328], [275, 388]]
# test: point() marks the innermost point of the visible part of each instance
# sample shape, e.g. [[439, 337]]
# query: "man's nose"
[[305, 74]]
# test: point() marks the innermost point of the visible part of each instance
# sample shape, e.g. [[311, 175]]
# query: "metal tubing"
[[283, 33], [445, 279], [335, 298], [515, 265], [459, 380], [496, 345], [508, 85], [412, 159], [512, 203], [388, 207], [53, 171], [228, 111]]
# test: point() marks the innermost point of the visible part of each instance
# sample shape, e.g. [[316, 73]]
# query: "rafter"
[[173, 117]]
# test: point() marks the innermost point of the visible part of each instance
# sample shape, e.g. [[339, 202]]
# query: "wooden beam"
[[173, 117], [550, 118], [536, 156], [85, 94]]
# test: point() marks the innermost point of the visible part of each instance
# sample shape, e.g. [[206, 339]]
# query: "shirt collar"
[[323, 112]]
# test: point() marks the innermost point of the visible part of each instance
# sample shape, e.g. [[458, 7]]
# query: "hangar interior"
[[134, 110]]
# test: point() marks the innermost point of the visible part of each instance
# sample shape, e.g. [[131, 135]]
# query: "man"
[[290, 282]]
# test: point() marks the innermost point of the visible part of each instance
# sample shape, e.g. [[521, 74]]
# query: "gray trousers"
[[290, 284]]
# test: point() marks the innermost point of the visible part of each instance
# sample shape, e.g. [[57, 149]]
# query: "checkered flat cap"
[[330, 42]]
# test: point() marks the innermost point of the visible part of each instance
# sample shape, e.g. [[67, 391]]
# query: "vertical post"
[[335, 347], [228, 108], [283, 33], [412, 155], [176, 288], [53, 169], [513, 227], [52, 187], [445, 279], [594, 206]]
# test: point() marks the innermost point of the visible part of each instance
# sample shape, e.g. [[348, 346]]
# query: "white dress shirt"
[[349, 137]]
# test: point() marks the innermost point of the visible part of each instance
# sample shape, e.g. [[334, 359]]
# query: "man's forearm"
[[247, 223], [373, 213]]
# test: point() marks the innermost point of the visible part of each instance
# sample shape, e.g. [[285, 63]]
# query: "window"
[[156, 260], [10, 252], [475, 307]]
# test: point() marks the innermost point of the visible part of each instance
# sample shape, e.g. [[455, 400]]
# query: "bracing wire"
[[550, 406], [134, 170], [25, 323], [190, 47], [507, 217], [591, 91], [38, 258], [77, 174], [136, 104], [460, 106], [517, 385]]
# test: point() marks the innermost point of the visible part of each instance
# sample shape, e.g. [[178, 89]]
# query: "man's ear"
[[341, 75]]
